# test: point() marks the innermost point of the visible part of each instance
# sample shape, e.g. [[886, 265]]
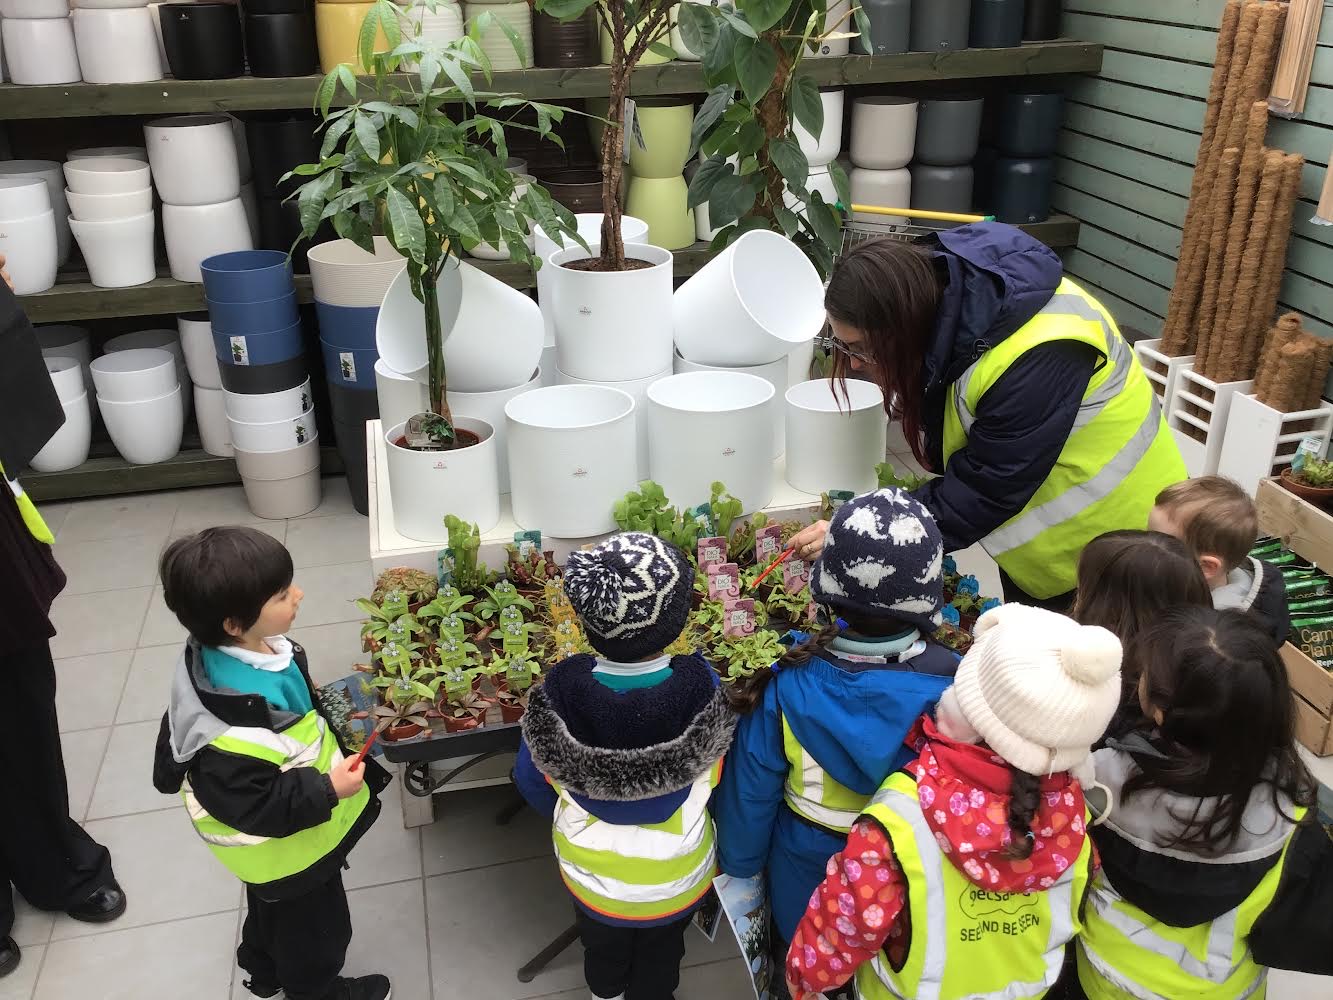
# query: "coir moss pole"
[[1291, 376], [1264, 303], [1210, 264], [1323, 357], [1286, 329]]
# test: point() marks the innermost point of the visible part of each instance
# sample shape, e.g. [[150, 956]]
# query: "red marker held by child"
[[360, 758]]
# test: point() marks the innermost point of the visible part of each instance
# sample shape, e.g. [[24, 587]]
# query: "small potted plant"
[[531, 572], [514, 675], [1313, 482], [407, 693], [417, 586], [385, 624], [467, 573], [460, 706], [745, 656], [503, 596]]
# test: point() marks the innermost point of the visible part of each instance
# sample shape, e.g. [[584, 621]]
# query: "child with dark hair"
[[266, 781], [965, 875], [1214, 866], [826, 727]]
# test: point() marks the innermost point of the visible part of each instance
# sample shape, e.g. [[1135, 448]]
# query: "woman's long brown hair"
[[889, 291]]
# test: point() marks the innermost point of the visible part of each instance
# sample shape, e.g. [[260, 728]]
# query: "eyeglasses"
[[850, 353]]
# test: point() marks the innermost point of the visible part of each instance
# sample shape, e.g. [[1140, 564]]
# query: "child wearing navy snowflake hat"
[[824, 731], [623, 750]]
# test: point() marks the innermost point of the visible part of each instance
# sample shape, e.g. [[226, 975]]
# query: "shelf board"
[[74, 299], [73, 100]]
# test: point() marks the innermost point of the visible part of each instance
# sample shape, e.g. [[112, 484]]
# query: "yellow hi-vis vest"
[[28, 511], [1116, 460], [812, 793], [634, 872], [259, 860], [967, 942], [1125, 954]]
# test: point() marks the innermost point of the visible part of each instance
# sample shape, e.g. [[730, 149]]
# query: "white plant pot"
[[146, 431], [345, 275], [548, 366], [242, 149], [31, 249], [837, 22], [99, 207], [774, 373], [30, 9], [118, 252], [64, 341], [400, 396], [196, 232], [632, 230], [571, 457], [160, 339], [819, 180], [51, 172], [883, 132], [883, 189], [201, 360], [119, 152], [132, 375], [40, 51], [490, 408], [424, 486], [272, 435], [107, 175], [67, 378], [749, 305], [823, 149], [492, 333], [193, 159], [117, 46], [210, 414], [250, 202], [799, 362], [612, 326], [104, 4], [267, 407], [281, 484], [637, 388], [23, 197], [488, 251], [68, 447], [705, 427], [835, 440]]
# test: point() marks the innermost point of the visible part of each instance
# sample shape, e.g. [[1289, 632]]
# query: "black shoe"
[[362, 988], [103, 906], [268, 991], [9, 956]]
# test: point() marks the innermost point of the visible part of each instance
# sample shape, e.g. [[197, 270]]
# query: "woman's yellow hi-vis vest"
[[1117, 458], [1125, 954], [967, 943], [258, 860], [811, 792]]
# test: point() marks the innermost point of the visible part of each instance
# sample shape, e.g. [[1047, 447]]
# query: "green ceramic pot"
[[650, 58], [665, 126], [661, 202]]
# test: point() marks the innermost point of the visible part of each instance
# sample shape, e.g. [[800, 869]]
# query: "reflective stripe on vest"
[[810, 791], [32, 520], [256, 859], [1125, 954], [1117, 457], [966, 942], [638, 872]]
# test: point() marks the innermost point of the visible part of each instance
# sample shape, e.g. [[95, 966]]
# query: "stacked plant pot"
[[140, 399], [202, 40], [658, 193], [266, 389], [1026, 135], [28, 233], [890, 27], [278, 143], [820, 151], [948, 131], [280, 38], [201, 363], [53, 174], [883, 139], [117, 42], [38, 40], [940, 25], [566, 44], [440, 26], [337, 28], [68, 447], [110, 200]]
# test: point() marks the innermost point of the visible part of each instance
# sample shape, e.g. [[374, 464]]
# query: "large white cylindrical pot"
[[345, 275], [612, 326], [210, 413], [68, 447], [272, 435], [799, 362], [837, 21], [196, 232], [196, 340], [705, 427], [117, 46], [147, 431], [749, 305], [193, 159], [835, 438], [53, 173], [424, 486], [60, 340], [40, 51], [118, 252], [400, 396], [638, 388], [632, 230], [883, 132], [490, 407], [31, 248], [821, 150], [774, 373], [572, 455]]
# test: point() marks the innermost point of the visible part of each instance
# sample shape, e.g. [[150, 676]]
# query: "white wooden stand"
[[1198, 417], [1162, 370], [1260, 441]]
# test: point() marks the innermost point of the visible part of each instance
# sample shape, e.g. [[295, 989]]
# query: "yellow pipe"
[[916, 213]]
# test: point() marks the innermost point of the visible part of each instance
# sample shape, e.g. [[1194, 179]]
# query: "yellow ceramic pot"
[[664, 123], [660, 202], [337, 28], [650, 58]]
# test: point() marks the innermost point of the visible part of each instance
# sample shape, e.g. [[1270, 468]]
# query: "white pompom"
[[1091, 655]]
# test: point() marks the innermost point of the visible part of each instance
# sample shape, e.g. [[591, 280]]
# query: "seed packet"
[[712, 551], [795, 575], [724, 581], [767, 544], [739, 617]]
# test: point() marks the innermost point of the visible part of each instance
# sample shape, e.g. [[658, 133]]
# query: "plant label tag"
[[795, 575], [444, 567], [453, 627], [451, 650], [395, 658], [395, 603], [518, 673], [724, 581], [527, 542], [240, 353], [347, 364], [836, 498], [632, 133], [514, 638], [739, 618], [712, 551], [1310, 447], [768, 543], [510, 613], [457, 683], [702, 515]]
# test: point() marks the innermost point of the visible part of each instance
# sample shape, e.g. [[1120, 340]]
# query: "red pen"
[[361, 754], [775, 564]]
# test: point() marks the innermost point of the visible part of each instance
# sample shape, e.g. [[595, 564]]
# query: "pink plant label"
[[795, 575], [724, 581], [738, 618], [767, 544], [712, 551]]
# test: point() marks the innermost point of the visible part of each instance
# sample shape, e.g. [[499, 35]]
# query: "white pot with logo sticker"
[[834, 440], [424, 486]]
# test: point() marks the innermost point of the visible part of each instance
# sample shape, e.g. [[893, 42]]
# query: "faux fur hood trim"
[[616, 775]]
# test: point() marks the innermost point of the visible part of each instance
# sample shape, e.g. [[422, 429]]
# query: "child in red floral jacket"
[[967, 871]]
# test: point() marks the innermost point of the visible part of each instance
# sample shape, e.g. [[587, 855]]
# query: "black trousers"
[[643, 963], [299, 944], [1014, 594], [44, 855]]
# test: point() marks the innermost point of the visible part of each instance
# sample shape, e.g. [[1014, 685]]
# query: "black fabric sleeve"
[[1021, 427], [1295, 932], [255, 797]]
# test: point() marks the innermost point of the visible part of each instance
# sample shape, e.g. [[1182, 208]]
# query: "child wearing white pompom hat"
[[965, 875]]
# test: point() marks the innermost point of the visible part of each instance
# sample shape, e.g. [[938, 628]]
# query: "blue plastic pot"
[[348, 327], [264, 378], [242, 349], [350, 368], [247, 276], [261, 316]]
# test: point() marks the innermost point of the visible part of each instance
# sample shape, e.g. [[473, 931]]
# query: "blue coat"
[[852, 718]]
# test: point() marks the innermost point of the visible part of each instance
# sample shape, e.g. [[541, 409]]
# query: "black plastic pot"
[[890, 27], [983, 181], [264, 378], [940, 24], [281, 44], [351, 409], [1023, 189], [565, 44], [1041, 20], [577, 190], [948, 129], [942, 189], [203, 40], [1029, 123], [996, 24], [275, 6], [279, 142], [280, 227]]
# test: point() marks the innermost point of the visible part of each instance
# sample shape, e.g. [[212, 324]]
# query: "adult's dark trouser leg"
[[1014, 594], [657, 954], [45, 855], [305, 939], [608, 953]]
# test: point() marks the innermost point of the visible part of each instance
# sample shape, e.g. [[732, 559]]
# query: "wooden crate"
[[1303, 527], [1312, 696]]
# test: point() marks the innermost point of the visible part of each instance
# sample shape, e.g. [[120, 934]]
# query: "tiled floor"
[[448, 911]]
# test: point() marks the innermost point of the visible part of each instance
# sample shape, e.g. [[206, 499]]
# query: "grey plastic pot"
[[996, 24], [890, 27], [281, 484], [940, 24], [1041, 20], [1023, 189], [942, 189], [948, 130]]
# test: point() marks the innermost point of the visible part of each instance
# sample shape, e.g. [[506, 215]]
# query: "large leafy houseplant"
[[421, 157]]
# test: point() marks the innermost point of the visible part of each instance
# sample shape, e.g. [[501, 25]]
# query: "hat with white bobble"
[[1038, 688]]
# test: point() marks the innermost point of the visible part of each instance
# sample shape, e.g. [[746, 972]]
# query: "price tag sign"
[[514, 638], [454, 628], [527, 542], [444, 568], [739, 618], [724, 582], [394, 603], [795, 575], [457, 683], [767, 544], [712, 551]]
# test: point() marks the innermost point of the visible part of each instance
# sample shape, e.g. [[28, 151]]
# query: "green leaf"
[[408, 230], [731, 198], [706, 178], [711, 110], [365, 43], [719, 59], [348, 79], [519, 47], [806, 107], [824, 220], [737, 23], [564, 10], [405, 115], [862, 21], [324, 95], [749, 138], [367, 136], [663, 50], [791, 162], [841, 184], [756, 65], [763, 14], [312, 198], [787, 219], [698, 27], [333, 133]]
